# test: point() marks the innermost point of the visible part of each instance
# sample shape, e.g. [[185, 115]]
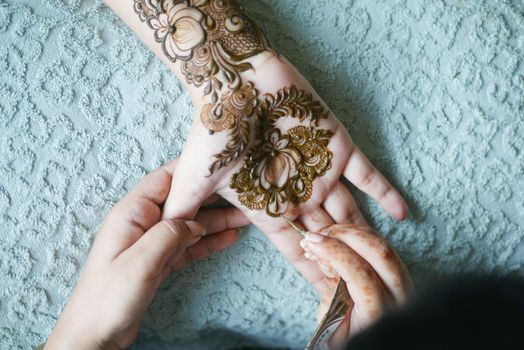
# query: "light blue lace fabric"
[[432, 91]]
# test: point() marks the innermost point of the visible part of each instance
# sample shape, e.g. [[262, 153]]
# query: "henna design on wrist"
[[212, 39], [281, 168]]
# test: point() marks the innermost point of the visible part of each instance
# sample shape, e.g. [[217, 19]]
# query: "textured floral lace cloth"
[[432, 91]]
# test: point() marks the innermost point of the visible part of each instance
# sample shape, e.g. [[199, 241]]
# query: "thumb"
[[190, 188], [159, 243]]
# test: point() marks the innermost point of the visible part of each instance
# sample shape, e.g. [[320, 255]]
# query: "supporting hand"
[[133, 252]]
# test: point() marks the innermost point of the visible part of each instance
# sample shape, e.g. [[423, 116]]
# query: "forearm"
[[207, 44], [214, 49]]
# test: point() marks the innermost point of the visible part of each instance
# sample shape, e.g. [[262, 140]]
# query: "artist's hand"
[[133, 252], [375, 276], [330, 200]]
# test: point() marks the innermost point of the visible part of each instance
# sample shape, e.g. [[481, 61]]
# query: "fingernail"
[[310, 256], [314, 237], [327, 270], [303, 244], [196, 228]]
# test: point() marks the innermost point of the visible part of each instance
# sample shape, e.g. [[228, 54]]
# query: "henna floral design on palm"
[[281, 168]]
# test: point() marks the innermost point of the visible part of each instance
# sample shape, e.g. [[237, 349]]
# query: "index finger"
[[378, 253], [363, 283], [368, 179]]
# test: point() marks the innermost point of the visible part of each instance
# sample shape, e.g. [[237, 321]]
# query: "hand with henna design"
[[376, 279], [261, 137]]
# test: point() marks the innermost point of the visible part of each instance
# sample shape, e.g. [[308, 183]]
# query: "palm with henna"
[[330, 201], [261, 137]]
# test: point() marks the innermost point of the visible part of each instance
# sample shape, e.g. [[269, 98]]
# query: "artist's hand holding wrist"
[[376, 278], [133, 252]]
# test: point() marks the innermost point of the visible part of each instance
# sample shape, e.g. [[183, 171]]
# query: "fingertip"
[[314, 237], [400, 211], [394, 205], [226, 239], [171, 166], [196, 228], [316, 243]]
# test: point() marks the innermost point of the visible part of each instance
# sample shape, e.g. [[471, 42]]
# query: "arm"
[[209, 45], [188, 36], [261, 137]]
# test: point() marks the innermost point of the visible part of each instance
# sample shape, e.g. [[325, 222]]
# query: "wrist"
[[72, 339], [72, 331]]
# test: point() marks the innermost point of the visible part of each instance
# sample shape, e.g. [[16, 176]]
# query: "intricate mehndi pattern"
[[281, 168], [212, 39]]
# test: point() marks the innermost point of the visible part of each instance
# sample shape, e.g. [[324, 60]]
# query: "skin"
[[376, 278], [330, 202], [135, 251]]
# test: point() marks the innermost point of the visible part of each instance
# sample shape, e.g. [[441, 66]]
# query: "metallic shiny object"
[[296, 226], [338, 308]]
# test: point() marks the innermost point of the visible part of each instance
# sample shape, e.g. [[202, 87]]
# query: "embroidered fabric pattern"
[[86, 111]]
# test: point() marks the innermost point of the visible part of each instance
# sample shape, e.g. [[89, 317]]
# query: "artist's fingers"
[[156, 247], [136, 213], [212, 199], [220, 219], [286, 239], [341, 206], [315, 220], [379, 254], [364, 285], [205, 247], [368, 179]]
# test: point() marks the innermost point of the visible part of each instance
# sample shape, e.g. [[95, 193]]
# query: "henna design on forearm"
[[280, 168], [212, 39]]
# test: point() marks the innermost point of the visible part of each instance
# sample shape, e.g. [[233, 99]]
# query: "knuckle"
[[333, 247], [365, 271], [385, 251], [137, 210], [367, 179], [174, 227]]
